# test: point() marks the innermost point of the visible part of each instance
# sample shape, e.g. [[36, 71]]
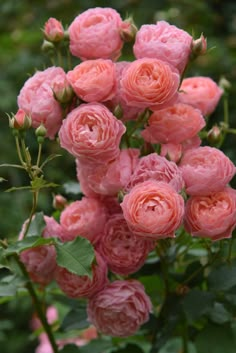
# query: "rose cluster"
[[102, 97]]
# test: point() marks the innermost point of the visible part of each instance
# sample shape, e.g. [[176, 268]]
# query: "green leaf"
[[40, 183], [9, 285], [175, 344], [3, 260], [72, 188], [2, 179], [49, 158], [97, 345], [75, 319], [37, 225], [219, 314], [222, 278], [216, 339], [196, 303], [129, 348], [27, 243], [76, 256], [70, 348], [17, 188]]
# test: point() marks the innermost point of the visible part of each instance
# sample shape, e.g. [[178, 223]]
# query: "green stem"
[[19, 151], [59, 58], [164, 268], [185, 336], [69, 64], [39, 155], [231, 131], [38, 307], [32, 212], [27, 159]]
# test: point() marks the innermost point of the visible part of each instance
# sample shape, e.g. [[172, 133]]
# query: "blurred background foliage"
[[20, 42]]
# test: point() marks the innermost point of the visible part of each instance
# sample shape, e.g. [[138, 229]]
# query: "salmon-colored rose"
[[165, 42], [123, 251], [149, 83], [174, 124], [212, 216], [205, 170], [120, 308], [94, 80], [92, 132], [153, 210], [200, 92], [95, 34]]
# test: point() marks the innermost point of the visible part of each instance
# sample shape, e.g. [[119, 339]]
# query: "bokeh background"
[[20, 55]]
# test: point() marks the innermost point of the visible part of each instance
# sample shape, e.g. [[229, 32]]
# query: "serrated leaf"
[[40, 183], [76, 319], [222, 278], [27, 243], [76, 256], [72, 187], [196, 303], [37, 225]]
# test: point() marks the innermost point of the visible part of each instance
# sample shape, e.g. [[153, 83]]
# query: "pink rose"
[[171, 151], [120, 308], [200, 92], [123, 251], [164, 42], [53, 30], [149, 83], [157, 168], [84, 218], [109, 178], [153, 210], [205, 170], [37, 100], [94, 80], [40, 261], [128, 112], [92, 132], [212, 216], [75, 286], [173, 124], [95, 34]]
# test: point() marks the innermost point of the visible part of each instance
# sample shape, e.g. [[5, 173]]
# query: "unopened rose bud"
[[47, 47], [53, 30], [224, 84], [59, 202], [62, 92], [118, 111], [20, 121], [214, 135], [128, 30], [199, 47], [40, 132]]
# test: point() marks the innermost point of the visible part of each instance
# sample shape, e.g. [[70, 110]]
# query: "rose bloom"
[[84, 218], [165, 42], [94, 80], [120, 308], [200, 92], [92, 132], [128, 112], [95, 34], [149, 83], [123, 251], [205, 170], [37, 100], [40, 261], [110, 178], [53, 30], [153, 210], [212, 216], [174, 124], [75, 286], [157, 168]]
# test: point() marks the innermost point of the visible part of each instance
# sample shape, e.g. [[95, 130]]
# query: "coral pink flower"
[[92, 132], [95, 34], [165, 42], [205, 170], [174, 124], [153, 210], [94, 80], [149, 83], [172, 151], [84, 218], [123, 251], [37, 100], [120, 308], [53, 30], [75, 286], [110, 178], [212, 216], [40, 261], [200, 92], [157, 168]]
